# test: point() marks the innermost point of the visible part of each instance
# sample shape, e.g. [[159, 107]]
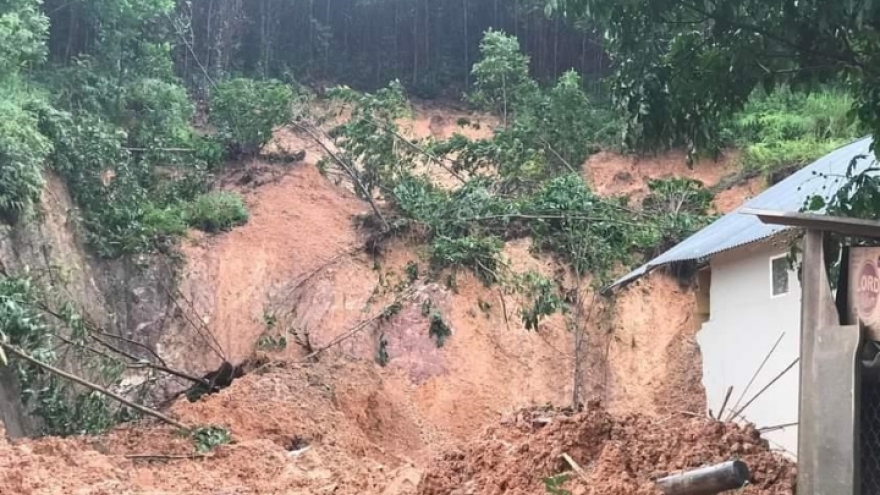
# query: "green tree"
[[23, 150], [501, 77], [682, 65], [247, 111], [23, 33]]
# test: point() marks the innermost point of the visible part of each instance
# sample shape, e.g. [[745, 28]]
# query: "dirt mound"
[[618, 455], [295, 430]]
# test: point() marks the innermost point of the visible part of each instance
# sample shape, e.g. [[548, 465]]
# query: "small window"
[[779, 275]]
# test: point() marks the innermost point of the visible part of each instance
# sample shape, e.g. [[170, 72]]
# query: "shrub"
[[23, 32], [23, 151], [61, 407], [206, 438], [157, 115], [247, 111], [542, 298], [479, 254], [785, 128], [679, 208], [368, 141], [217, 211]]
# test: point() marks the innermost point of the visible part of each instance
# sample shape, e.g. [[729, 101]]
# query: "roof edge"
[[648, 268]]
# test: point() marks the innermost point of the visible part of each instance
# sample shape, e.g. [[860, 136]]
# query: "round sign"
[[868, 288]]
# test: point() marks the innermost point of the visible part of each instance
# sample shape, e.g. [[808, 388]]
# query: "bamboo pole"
[[739, 411]]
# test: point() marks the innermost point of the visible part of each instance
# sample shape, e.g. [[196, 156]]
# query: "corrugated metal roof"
[[825, 176]]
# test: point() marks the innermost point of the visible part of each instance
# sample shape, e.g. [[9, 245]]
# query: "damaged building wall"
[[746, 319]]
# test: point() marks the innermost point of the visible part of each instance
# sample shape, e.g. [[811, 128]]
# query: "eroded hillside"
[[382, 399]]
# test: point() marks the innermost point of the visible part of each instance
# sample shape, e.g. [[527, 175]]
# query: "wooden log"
[[708, 480]]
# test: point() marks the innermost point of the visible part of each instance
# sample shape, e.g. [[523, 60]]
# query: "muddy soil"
[[611, 455], [352, 424]]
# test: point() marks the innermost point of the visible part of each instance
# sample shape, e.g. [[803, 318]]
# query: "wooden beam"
[[841, 225]]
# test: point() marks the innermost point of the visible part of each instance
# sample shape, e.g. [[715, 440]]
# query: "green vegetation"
[[23, 150], [681, 208], [523, 181], [501, 78], [542, 298], [61, 407], [217, 211], [103, 94], [247, 111], [111, 118], [784, 129], [207, 438], [686, 69], [683, 68], [553, 484], [514, 189]]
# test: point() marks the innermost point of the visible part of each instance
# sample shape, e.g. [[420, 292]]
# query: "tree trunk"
[[467, 63]]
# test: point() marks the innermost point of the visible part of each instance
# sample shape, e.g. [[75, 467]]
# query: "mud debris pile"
[[612, 455]]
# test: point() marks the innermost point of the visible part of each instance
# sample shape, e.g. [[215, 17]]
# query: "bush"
[[137, 210], [157, 115], [545, 131], [61, 407], [247, 111], [23, 151], [368, 141], [679, 208], [785, 128], [479, 254], [217, 211]]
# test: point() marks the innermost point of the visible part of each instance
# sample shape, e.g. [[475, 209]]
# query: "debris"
[[296, 453], [574, 466], [620, 455], [709, 480]]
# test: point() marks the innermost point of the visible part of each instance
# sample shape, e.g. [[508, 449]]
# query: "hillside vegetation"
[[143, 108]]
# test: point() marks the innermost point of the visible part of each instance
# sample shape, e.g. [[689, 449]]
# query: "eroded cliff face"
[[128, 297]]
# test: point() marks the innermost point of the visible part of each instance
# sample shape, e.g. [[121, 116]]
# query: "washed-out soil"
[[614, 455]]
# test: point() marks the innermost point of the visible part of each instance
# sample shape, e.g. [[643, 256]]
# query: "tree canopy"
[[681, 66]]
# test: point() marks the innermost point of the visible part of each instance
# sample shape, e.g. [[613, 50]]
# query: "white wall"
[[745, 320]]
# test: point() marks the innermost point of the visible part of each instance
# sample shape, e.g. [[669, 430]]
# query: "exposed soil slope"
[[297, 269]]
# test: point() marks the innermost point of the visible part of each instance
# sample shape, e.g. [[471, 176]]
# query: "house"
[[748, 298]]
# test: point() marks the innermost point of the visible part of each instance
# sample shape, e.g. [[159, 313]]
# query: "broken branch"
[[348, 170], [575, 466], [162, 457], [91, 386], [359, 327], [752, 380]]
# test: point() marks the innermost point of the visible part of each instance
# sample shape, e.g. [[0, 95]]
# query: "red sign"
[[868, 289]]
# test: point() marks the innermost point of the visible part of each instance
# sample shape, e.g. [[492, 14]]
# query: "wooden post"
[[706, 481]]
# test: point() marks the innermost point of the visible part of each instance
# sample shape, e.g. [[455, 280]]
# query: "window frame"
[[773, 295]]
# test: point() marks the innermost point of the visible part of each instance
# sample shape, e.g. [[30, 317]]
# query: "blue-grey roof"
[[825, 176]]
